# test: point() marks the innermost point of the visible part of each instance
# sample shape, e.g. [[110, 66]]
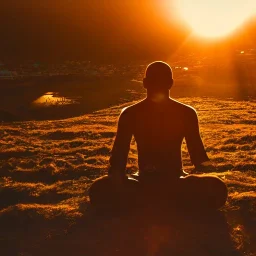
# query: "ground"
[[46, 168]]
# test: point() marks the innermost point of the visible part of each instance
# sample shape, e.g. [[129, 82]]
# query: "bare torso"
[[159, 130]]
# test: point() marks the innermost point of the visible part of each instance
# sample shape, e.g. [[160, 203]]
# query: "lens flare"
[[216, 18]]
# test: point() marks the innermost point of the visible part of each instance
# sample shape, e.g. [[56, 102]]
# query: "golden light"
[[216, 18]]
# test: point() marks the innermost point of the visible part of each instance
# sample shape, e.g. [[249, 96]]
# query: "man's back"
[[159, 129], [159, 124]]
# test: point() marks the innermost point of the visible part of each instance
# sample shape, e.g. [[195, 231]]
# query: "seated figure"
[[159, 125]]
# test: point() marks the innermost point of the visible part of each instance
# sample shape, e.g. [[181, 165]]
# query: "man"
[[159, 124]]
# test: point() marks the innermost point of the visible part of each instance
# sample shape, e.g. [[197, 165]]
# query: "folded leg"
[[202, 192], [105, 196]]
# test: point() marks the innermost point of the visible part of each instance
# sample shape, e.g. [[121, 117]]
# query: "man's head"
[[158, 77]]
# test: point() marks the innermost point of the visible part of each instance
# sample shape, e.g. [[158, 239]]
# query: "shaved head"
[[158, 75], [158, 70]]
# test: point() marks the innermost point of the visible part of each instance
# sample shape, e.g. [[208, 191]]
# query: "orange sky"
[[93, 28]]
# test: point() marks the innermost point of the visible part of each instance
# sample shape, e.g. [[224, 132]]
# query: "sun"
[[216, 18]]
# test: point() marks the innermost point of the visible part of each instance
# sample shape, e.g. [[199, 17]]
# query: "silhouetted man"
[[159, 124]]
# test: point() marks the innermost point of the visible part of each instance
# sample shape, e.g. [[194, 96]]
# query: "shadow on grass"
[[147, 234], [22, 196], [17, 154], [247, 221]]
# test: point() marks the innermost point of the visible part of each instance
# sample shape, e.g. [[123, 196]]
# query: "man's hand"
[[205, 167], [117, 179]]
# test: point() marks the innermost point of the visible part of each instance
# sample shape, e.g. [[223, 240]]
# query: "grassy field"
[[46, 168]]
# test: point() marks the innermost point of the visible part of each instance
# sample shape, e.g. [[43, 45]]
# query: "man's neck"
[[158, 97]]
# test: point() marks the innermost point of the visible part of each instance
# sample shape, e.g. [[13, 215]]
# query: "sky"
[[87, 29]]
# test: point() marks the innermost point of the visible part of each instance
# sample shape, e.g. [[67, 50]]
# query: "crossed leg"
[[202, 192], [192, 192]]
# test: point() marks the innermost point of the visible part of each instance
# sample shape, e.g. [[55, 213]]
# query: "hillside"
[[46, 168]]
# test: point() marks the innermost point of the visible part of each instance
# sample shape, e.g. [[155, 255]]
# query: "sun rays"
[[215, 18]]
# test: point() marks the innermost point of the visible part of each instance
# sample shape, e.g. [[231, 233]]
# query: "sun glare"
[[216, 18]]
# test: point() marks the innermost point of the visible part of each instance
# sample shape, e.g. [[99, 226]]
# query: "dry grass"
[[46, 168]]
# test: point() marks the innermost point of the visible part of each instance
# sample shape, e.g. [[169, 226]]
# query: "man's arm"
[[195, 145], [121, 147]]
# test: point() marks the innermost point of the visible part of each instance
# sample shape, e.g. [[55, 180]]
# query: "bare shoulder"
[[186, 109], [133, 108]]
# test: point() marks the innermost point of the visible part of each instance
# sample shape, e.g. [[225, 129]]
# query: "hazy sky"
[[89, 28]]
